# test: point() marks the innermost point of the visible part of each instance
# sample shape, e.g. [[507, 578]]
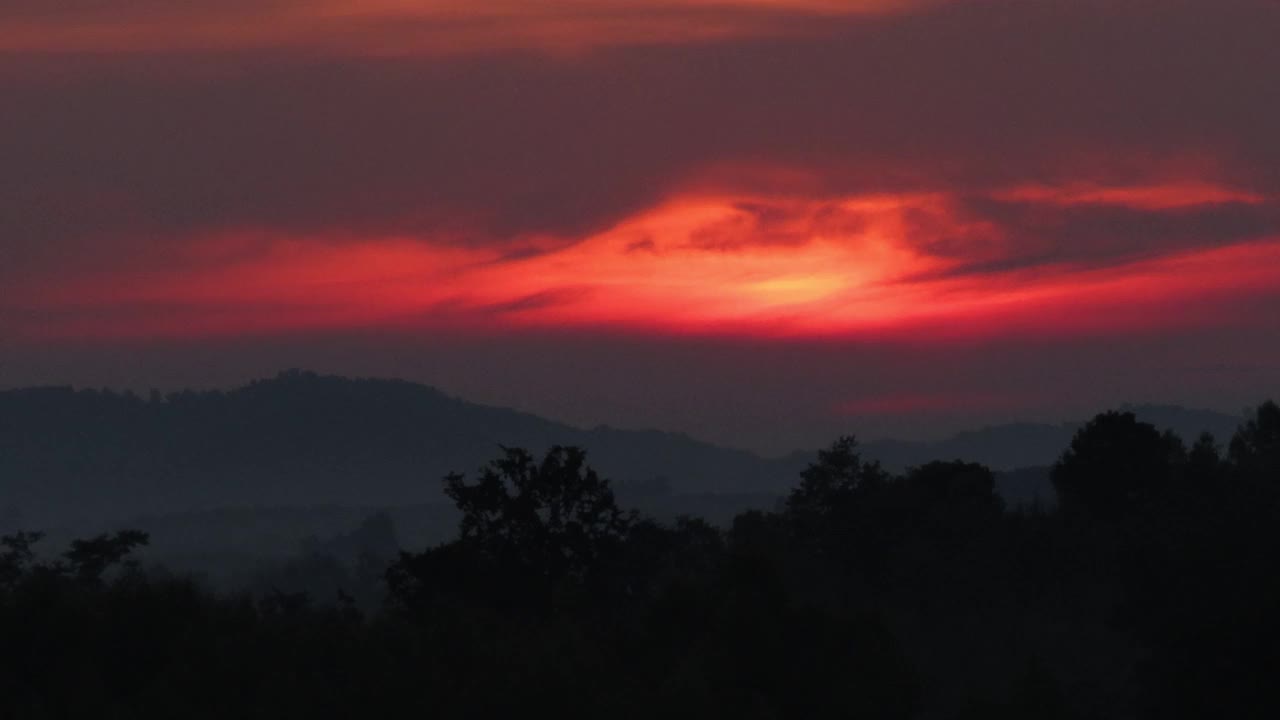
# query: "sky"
[[760, 222]]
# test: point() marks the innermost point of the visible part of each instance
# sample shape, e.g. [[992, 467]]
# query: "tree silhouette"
[[1255, 449], [861, 594], [835, 480], [533, 525], [1114, 464], [1204, 461], [954, 483], [557, 516], [16, 556], [90, 558]]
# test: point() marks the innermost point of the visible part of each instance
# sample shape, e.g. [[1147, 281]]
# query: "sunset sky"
[[761, 222]]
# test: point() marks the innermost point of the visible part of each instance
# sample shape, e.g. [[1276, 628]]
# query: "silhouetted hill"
[[304, 439], [1147, 591], [1020, 445], [1000, 447], [90, 457]]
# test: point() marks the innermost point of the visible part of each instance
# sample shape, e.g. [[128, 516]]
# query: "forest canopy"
[[1148, 592]]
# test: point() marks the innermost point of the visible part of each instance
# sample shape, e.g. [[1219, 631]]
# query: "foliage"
[[528, 530], [1255, 449], [555, 518], [1114, 464], [1151, 593], [90, 558]]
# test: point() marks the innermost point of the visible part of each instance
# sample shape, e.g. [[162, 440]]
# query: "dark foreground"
[[1150, 591]]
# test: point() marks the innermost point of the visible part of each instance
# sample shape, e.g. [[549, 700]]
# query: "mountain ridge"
[[303, 438]]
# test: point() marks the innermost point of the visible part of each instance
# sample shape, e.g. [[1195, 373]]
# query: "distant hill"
[[1001, 447], [1022, 453], [304, 439], [1019, 445], [300, 439]]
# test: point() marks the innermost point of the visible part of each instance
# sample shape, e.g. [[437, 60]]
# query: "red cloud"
[[726, 264]]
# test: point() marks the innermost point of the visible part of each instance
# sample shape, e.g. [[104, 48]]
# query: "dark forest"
[[1148, 590]]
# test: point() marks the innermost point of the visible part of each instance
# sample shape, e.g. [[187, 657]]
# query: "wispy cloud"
[[852, 267]]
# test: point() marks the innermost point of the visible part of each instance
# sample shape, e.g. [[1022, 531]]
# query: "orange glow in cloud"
[[696, 264], [710, 262], [409, 27]]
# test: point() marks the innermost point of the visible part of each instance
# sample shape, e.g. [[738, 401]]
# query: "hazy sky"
[[763, 222]]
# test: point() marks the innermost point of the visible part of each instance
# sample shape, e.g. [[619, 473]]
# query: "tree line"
[[1149, 590]]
